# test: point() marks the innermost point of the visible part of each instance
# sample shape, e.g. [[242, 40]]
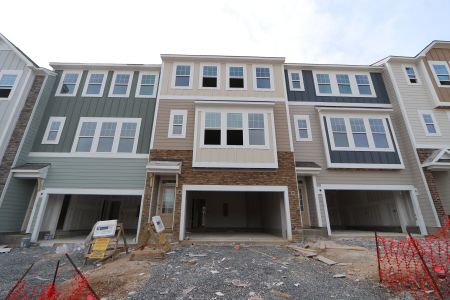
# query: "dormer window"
[[236, 76], [343, 83], [323, 80], [69, 83], [363, 84], [183, 74], [209, 76]]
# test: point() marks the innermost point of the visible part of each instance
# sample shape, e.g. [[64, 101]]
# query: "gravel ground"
[[257, 272], [14, 264]]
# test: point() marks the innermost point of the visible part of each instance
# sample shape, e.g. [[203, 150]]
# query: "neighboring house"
[[355, 167], [86, 153], [421, 89], [221, 158], [22, 83]]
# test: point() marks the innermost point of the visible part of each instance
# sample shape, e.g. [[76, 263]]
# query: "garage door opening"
[[235, 216], [362, 210], [71, 217]]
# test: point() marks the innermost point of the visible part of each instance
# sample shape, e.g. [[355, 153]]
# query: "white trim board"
[[72, 191], [234, 188], [87, 155], [339, 104], [221, 98]]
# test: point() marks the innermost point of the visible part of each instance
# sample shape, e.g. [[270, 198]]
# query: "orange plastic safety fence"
[[419, 266]]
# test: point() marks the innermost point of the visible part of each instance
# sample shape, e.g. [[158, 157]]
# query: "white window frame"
[[77, 84], [96, 136], [138, 87], [302, 84], [419, 82], [113, 81], [86, 83], [308, 124], [170, 133], [200, 78], [244, 71], [245, 128], [45, 139], [271, 79], [353, 85], [174, 75], [16, 83], [386, 123], [436, 62], [424, 125]]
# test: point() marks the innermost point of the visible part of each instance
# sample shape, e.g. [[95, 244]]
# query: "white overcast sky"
[[326, 31]]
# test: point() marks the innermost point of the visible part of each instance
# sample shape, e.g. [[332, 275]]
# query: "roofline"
[[307, 65], [229, 57], [429, 46], [65, 65], [19, 52]]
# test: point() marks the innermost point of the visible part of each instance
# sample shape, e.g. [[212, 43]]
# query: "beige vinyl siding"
[[166, 82], [235, 155], [413, 167], [314, 151], [439, 54], [281, 119], [418, 97]]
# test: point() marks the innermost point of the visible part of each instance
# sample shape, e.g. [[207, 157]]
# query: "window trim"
[[308, 124], [96, 135], [200, 77], [223, 129], [424, 125], [419, 82], [86, 83], [138, 86], [244, 76], [302, 84], [386, 122], [255, 87], [77, 84], [353, 84], [16, 83], [113, 81], [174, 75], [438, 62], [45, 140], [170, 133]]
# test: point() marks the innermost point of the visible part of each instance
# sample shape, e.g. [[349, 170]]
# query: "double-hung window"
[[54, 129], [363, 84], [236, 76], [359, 133], [8, 80], [146, 85], [379, 133], [429, 123], [411, 75], [209, 76], [441, 72], [213, 128], [183, 76], [107, 135], [177, 123], [295, 81], [263, 78], [69, 83], [302, 128], [339, 131], [343, 82], [121, 84], [256, 132], [95, 84], [235, 132], [323, 81]]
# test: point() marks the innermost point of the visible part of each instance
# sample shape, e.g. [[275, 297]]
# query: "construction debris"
[[303, 251], [197, 255], [281, 294], [189, 261], [339, 276], [220, 294], [5, 250], [325, 260], [238, 283]]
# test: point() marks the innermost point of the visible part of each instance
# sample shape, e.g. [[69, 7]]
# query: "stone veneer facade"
[[423, 155], [19, 130], [284, 175]]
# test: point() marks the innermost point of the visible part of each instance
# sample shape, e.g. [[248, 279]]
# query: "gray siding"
[[362, 157], [309, 95], [73, 108], [94, 173]]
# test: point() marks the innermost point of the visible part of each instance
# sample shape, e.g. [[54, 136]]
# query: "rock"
[[238, 283], [131, 293], [197, 255], [281, 294], [188, 290], [214, 271], [165, 292], [339, 276], [220, 294]]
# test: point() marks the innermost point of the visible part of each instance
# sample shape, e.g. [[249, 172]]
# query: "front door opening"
[[235, 214]]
